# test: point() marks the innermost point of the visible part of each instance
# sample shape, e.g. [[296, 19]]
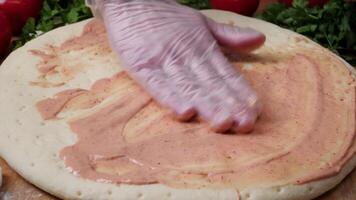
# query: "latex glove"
[[172, 51]]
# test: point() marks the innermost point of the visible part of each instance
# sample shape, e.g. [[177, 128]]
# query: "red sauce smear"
[[57, 65], [305, 133]]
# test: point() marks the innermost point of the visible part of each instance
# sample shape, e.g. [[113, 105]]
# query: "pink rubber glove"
[[173, 52]]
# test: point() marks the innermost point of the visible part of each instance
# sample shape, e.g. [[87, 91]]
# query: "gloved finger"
[[232, 77], [246, 121], [247, 113], [240, 39], [244, 104], [232, 97], [212, 110], [205, 102], [216, 103], [155, 82]]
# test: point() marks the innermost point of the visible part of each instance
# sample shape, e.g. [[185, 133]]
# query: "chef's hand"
[[173, 52]]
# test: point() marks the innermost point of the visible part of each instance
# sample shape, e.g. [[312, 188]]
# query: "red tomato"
[[19, 11], [5, 33], [243, 7], [311, 2]]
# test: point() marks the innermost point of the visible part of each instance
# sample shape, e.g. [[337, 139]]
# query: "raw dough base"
[[0, 177], [34, 153]]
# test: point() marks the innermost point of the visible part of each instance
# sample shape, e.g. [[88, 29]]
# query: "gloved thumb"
[[240, 39]]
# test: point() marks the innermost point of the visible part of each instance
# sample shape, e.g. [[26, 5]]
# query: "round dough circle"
[[34, 154]]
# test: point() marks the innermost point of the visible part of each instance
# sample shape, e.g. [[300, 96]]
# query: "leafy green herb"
[[333, 25], [54, 13], [198, 4]]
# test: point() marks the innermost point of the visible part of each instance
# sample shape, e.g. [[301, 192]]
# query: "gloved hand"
[[172, 51]]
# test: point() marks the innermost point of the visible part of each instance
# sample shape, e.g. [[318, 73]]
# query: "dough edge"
[[0, 177]]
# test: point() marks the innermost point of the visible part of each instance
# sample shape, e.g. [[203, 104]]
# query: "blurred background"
[[331, 23]]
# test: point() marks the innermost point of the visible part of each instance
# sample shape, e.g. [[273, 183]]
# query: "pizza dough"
[[51, 68], [0, 177]]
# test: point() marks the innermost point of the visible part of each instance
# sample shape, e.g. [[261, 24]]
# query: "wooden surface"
[[16, 188]]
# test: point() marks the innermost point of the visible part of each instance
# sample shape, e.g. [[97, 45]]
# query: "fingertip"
[[241, 39], [245, 124], [223, 126], [245, 128], [218, 117], [251, 40], [185, 114]]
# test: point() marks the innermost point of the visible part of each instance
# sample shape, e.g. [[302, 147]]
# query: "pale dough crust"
[[0, 177], [34, 153]]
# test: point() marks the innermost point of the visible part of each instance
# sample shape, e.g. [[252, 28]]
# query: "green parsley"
[[197, 4], [54, 13], [333, 25]]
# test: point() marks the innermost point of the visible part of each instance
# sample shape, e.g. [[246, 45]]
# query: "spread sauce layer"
[[306, 131]]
